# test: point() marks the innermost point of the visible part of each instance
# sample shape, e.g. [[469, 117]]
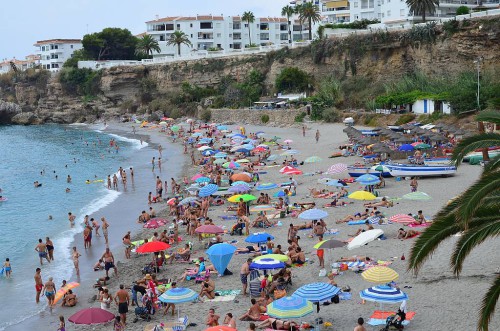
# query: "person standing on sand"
[[317, 136], [75, 256], [244, 272], [105, 226], [96, 226], [122, 300], [87, 237], [41, 248], [109, 262], [303, 130], [38, 284], [321, 254], [413, 184], [50, 248], [360, 326]]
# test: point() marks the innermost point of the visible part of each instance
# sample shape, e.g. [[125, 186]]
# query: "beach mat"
[[223, 298]]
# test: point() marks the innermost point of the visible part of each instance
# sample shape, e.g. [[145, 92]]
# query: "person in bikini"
[[50, 291], [75, 256], [50, 248], [402, 234], [276, 324], [382, 203]]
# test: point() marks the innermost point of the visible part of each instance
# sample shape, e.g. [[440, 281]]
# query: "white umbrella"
[[364, 238], [203, 148]]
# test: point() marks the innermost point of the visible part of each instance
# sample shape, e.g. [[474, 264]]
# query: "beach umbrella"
[[421, 196], [266, 186], [259, 208], [381, 168], [202, 180], [289, 307], [152, 247], [316, 292], [175, 128], [231, 165], [368, 179], [313, 214], [422, 146], [313, 159], [290, 152], [288, 141], [258, 237], [163, 123], [239, 182], [222, 127], [267, 264], [243, 161], [220, 255], [219, 161], [63, 290], [239, 189], [210, 229], [402, 218], [286, 168], [383, 294], [279, 257], [178, 295], [220, 155], [208, 190], [334, 183], [241, 177], [329, 244], [171, 201], [272, 157], [203, 148], [292, 172], [155, 223], [90, 316], [220, 328], [364, 238], [337, 168], [406, 148], [195, 177], [362, 195], [245, 197], [379, 275], [208, 152]]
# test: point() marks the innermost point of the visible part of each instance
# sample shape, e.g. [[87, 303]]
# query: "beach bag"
[[336, 299], [344, 267], [278, 294]]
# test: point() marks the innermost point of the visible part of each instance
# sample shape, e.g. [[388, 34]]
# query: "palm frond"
[[488, 305], [489, 116], [483, 140], [478, 232], [493, 165], [430, 239], [487, 185]]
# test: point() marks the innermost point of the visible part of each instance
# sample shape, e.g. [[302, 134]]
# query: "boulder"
[[27, 118]]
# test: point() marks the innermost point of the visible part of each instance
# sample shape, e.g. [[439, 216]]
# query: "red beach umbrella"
[[152, 247], [89, 316], [211, 229], [293, 171]]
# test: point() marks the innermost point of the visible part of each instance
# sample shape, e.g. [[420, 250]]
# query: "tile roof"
[[58, 41]]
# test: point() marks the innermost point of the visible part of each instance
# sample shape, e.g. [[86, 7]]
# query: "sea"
[[48, 154]]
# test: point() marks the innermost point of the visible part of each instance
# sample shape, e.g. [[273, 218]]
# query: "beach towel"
[[376, 322], [330, 232], [345, 296], [222, 298], [228, 292], [380, 314], [419, 225], [356, 222]]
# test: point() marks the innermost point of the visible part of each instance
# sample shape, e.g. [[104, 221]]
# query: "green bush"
[[331, 115], [368, 118], [292, 79], [264, 118], [300, 117], [80, 81], [463, 10], [405, 118], [206, 115], [451, 27]]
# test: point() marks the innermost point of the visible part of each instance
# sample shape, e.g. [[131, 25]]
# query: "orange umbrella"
[[241, 177], [63, 290]]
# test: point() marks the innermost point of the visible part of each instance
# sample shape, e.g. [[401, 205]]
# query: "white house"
[[54, 52], [29, 62], [428, 106]]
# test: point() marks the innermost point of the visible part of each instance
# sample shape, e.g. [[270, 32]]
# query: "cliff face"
[[381, 57]]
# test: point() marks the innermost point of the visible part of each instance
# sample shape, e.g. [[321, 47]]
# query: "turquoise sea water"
[[59, 151]]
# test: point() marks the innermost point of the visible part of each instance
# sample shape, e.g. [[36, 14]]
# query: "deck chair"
[[180, 325]]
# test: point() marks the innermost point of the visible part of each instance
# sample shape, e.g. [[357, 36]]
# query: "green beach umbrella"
[[175, 128], [421, 196], [313, 159], [422, 146]]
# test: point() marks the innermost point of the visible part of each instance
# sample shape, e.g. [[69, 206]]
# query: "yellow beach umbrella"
[[380, 275], [362, 195], [279, 257]]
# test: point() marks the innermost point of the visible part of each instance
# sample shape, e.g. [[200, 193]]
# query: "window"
[[55, 65], [236, 26], [205, 25], [217, 25], [388, 13], [355, 5], [401, 12], [71, 46], [190, 25], [169, 27], [178, 26], [219, 35]]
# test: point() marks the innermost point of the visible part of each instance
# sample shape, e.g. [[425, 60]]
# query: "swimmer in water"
[[50, 217], [71, 218], [68, 190]]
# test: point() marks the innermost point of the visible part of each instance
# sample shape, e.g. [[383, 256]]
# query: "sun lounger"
[[179, 325]]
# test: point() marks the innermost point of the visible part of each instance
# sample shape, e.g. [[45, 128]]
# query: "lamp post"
[[478, 62]]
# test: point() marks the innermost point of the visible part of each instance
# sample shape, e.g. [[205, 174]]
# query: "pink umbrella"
[[89, 316], [402, 218], [195, 177], [337, 168], [293, 172], [288, 141], [171, 201], [211, 229], [287, 168], [155, 223]]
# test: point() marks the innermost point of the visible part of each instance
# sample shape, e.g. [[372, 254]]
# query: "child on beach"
[[7, 268]]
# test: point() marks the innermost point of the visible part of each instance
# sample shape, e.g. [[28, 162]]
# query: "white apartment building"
[[29, 62], [208, 32], [54, 52]]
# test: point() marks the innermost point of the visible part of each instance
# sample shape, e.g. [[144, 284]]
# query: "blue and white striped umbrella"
[[317, 292], [178, 295], [208, 152], [259, 237], [383, 294], [239, 189], [188, 200], [240, 182], [197, 134], [267, 264], [202, 180], [208, 190], [220, 155], [289, 307], [313, 214], [368, 179], [266, 186]]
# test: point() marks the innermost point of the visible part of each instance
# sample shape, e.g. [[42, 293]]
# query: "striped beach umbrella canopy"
[[422, 196], [208, 190], [402, 218], [259, 208], [208, 152], [202, 180], [383, 294], [210, 229], [293, 171], [313, 159], [178, 295], [220, 161], [204, 148], [290, 307], [239, 189], [313, 214], [231, 165], [337, 168], [279, 257], [380, 275], [266, 186], [317, 292], [195, 177], [240, 182], [243, 161], [368, 179], [245, 197], [267, 264]]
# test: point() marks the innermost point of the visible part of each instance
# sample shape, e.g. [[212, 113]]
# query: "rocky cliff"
[[380, 56]]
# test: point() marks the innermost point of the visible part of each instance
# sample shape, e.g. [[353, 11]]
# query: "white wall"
[[53, 56]]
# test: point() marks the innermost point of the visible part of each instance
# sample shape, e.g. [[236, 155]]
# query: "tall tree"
[[249, 17], [147, 45], [288, 12], [110, 44], [421, 7], [474, 214], [178, 38], [309, 12]]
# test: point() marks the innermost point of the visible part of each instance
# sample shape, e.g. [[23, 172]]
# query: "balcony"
[[206, 25], [469, 3]]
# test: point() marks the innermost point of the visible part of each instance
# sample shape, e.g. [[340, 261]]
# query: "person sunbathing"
[[193, 272], [262, 199], [355, 217], [402, 234], [253, 312], [307, 225], [382, 203], [182, 254], [360, 230], [336, 203], [299, 257], [355, 258], [69, 300], [248, 249], [276, 324]]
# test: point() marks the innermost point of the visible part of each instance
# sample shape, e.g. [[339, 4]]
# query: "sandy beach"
[[441, 302]]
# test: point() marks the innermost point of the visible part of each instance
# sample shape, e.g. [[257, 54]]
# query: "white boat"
[[349, 121], [440, 161], [355, 171], [403, 170]]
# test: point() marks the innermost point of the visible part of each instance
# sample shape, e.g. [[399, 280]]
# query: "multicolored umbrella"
[[422, 196], [195, 177], [292, 172], [364, 238], [90, 316], [208, 190], [313, 214], [383, 294], [289, 307], [231, 165], [220, 328], [259, 208], [210, 229], [402, 218], [329, 244], [379, 275], [63, 290], [317, 292], [245, 197], [239, 189], [152, 247], [240, 182], [178, 295], [337, 168], [267, 264], [155, 223], [266, 186], [362, 195], [219, 161]]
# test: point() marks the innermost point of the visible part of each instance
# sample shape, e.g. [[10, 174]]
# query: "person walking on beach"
[[87, 237], [317, 135], [413, 184], [75, 256], [244, 272], [153, 164], [105, 226], [321, 254], [160, 149], [109, 262], [122, 300], [38, 284], [50, 248], [96, 226], [41, 248], [50, 291]]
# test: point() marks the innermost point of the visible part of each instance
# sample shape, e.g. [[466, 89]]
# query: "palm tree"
[[178, 38], [248, 17], [309, 12], [474, 214], [420, 7], [147, 45], [288, 11]]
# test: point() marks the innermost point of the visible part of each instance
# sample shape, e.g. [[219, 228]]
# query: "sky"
[[23, 22]]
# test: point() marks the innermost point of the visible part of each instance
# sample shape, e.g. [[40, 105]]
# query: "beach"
[[441, 302]]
